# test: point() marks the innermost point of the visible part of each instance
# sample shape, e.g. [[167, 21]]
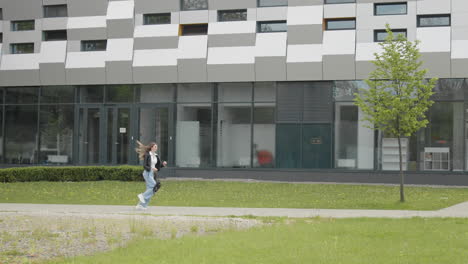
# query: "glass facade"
[[284, 125]]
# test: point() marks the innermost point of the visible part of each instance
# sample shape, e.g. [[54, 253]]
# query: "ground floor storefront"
[[208, 126]]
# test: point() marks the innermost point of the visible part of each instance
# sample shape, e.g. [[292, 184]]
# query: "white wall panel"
[[159, 57], [53, 52], [272, 13], [86, 22], [433, 7], [365, 51], [90, 59], [20, 62], [120, 10], [156, 31], [193, 47], [271, 45], [342, 10], [119, 50], [339, 42], [305, 15], [231, 55], [435, 39], [304, 53], [459, 49], [237, 27]]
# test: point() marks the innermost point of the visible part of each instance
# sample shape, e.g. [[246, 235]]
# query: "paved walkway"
[[459, 210]]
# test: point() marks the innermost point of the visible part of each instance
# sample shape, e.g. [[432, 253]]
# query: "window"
[[22, 25], [381, 34], [22, 48], [1, 14], [156, 19], [339, 1], [1, 37], [265, 3], [93, 45], [55, 11], [194, 4], [386, 9], [196, 29], [232, 15], [51, 35], [340, 24], [434, 20], [271, 26]]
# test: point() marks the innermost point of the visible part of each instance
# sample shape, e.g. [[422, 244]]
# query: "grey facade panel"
[[21, 9], [87, 33], [156, 6], [304, 2], [118, 72], [120, 28], [339, 67], [156, 74], [52, 73], [54, 23], [437, 63], [93, 76], [270, 68], [305, 34], [192, 70], [156, 43], [231, 40], [231, 73], [19, 78], [459, 68], [229, 4], [54, 2], [77, 8], [303, 71], [363, 69]]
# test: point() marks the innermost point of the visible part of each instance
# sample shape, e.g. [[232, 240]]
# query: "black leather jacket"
[[147, 162]]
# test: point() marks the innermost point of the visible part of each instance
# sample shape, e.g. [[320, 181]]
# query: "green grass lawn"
[[316, 240], [234, 194]]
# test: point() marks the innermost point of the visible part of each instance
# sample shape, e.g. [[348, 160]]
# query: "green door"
[[316, 146]]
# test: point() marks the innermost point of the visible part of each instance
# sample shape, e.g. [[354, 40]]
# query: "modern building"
[[245, 88]]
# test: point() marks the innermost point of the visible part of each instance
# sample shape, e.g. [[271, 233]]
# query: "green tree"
[[399, 94]]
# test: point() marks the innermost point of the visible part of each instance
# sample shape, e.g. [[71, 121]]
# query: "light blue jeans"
[[150, 183]]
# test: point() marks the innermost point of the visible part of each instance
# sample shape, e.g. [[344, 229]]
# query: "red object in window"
[[264, 157]]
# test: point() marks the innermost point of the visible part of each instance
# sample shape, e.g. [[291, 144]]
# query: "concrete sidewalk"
[[459, 210]]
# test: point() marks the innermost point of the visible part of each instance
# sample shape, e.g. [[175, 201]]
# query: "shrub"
[[85, 173]]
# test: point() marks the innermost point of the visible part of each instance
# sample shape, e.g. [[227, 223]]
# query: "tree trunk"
[[402, 176]]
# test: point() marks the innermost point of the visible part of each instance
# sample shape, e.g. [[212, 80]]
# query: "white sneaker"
[[140, 207], [141, 198]]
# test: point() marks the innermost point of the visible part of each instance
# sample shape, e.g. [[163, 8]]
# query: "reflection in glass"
[[156, 93], [21, 134], [235, 92], [194, 92], [264, 3], [154, 127], [264, 135], [390, 9], [265, 92], [194, 135], [22, 95], [232, 15], [337, 24], [91, 94], [56, 128], [346, 135], [288, 146], [271, 26], [434, 21], [194, 4], [234, 136], [58, 94], [119, 93], [89, 135]]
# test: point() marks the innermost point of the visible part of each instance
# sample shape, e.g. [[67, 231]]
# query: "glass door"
[[90, 127], [117, 141]]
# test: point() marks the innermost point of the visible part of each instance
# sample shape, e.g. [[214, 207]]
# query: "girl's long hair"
[[142, 149]]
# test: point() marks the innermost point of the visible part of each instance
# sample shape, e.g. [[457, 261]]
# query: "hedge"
[[85, 173]]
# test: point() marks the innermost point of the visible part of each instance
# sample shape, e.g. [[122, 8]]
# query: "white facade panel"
[[156, 31], [305, 15], [158, 57], [433, 7], [119, 50], [366, 51], [231, 55], [20, 62], [194, 17], [435, 39], [342, 10], [86, 22], [272, 13], [120, 10], [90, 59], [339, 42], [53, 52], [304, 53], [271, 45], [459, 49], [237, 27], [193, 47]]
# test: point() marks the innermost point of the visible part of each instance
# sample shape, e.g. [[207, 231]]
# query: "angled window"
[[381, 34], [21, 48], [194, 29], [51, 35], [434, 20], [22, 25], [232, 15], [386, 9], [156, 19], [93, 45], [340, 24], [271, 26], [194, 5], [266, 3], [339, 1], [55, 11]]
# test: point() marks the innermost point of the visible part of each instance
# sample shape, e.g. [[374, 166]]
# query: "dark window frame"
[[230, 11], [418, 21], [97, 41], [339, 19], [54, 6], [183, 28], [259, 26], [395, 31], [258, 4], [12, 49], [389, 4], [46, 32], [344, 2], [182, 6], [147, 16], [15, 23]]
